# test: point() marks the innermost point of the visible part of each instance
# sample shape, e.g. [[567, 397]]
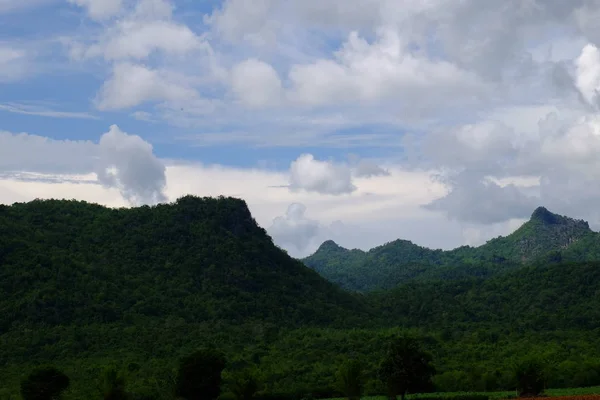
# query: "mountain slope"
[[68, 262], [531, 298], [386, 266]]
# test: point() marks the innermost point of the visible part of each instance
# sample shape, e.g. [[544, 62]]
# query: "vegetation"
[[120, 301], [199, 376], [530, 378], [44, 384], [546, 237], [406, 368], [350, 379]]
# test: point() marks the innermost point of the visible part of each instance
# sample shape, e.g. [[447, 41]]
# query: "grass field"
[[495, 395]]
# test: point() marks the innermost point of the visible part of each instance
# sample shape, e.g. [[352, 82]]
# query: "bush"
[[44, 384], [530, 378], [199, 375], [349, 379]]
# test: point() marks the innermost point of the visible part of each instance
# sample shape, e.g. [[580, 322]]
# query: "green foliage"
[[46, 383], [245, 384], [406, 368], [84, 286], [530, 377], [545, 237], [113, 385], [349, 379], [199, 375]]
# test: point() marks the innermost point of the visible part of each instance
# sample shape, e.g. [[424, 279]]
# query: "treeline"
[[316, 362], [405, 368]]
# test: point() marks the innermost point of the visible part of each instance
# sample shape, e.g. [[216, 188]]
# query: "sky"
[[442, 122]]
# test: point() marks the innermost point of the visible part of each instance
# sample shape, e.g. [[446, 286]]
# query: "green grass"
[[493, 395], [574, 391]]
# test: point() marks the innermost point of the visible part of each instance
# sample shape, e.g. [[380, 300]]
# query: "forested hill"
[[84, 286], [546, 236], [198, 259]]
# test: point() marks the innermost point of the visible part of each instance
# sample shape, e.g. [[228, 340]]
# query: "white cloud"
[[588, 74], [119, 160], [244, 20], [14, 63], [485, 202], [100, 9], [29, 109], [26, 152], [131, 85], [325, 177], [7, 6], [294, 230], [368, 169], [134, 39], [127, 163], [256, 83], [383, 69]]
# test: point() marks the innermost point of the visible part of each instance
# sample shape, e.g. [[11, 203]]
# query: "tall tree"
[[349, 379], [199, 375], [46, 383], [530, 377], [406, 368]]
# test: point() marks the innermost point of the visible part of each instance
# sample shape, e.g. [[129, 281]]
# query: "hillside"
[[199, 259], [389, 265], [84, 286], [555, 297]]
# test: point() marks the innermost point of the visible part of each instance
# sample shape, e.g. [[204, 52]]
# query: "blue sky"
[[61, 84], [441, 122]]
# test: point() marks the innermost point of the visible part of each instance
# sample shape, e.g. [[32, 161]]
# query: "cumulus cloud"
[[100, 9], [559, 157], [244, 20], [364, 71], [256, 83], [27, 152], [294, 229], [484, 202], [14, 63], [133, 84], [127, 163], [325, 177], [588, 74], [367, 169]]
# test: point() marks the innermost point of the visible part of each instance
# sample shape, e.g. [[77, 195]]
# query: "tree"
[[113, 385], [46, 383], [199, 375], [406, 368], [349, 379], [245, 384], [530, 377]]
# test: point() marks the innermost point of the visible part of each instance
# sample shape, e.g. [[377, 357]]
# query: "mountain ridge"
[[392, 263], [83, 286], [208, 253]]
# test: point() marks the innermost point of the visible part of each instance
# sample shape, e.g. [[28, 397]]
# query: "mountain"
[[545, 236], [199, 259], [533, 298], [85, 287]]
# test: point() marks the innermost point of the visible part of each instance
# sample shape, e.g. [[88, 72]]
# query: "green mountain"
[[545, 235], [84, 287]]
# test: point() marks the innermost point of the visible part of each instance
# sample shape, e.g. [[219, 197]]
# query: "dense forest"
[[123, 295], [546, 237]]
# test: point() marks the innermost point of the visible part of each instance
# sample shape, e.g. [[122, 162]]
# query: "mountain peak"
[[329, 245], [542, 214]]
